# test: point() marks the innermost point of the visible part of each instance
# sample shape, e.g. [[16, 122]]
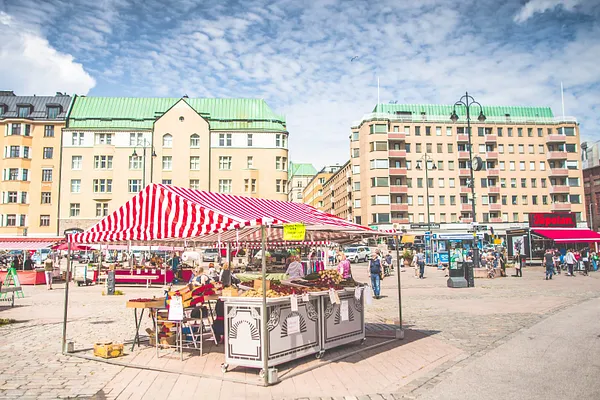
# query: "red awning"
[[25, 243], [568, 235]]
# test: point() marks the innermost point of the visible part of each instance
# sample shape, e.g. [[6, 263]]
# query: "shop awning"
[[408, 239], [568, 235], [24, 243]]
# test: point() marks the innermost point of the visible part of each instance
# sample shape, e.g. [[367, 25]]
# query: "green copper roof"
[[301, 170], [125, 113], [489, 111]]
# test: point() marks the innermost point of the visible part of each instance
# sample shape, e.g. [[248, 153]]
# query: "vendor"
[[295, 270], [199, 278], [28, 266]]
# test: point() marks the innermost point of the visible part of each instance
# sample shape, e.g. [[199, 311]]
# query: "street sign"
[[480, 227], [425, 226], [72, 231]]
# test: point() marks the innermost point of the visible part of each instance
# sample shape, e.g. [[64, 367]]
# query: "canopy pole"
[[265, 332], [68, 277], [398, 270]]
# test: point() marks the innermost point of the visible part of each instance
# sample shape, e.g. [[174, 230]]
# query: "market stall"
[[24, 247], [170, 216]]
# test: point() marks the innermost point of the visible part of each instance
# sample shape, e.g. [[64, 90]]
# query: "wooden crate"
[[258, 284], [156, 303], [230, 292], [108, 350]]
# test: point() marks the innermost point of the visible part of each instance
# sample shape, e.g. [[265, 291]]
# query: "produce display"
[[193, 295], [142, 300]]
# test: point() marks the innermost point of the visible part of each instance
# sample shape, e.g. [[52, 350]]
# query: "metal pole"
[[399, 286], [475, 245], [591, 215], [264, 318], [64, 332], [144, 167], [427, 243]]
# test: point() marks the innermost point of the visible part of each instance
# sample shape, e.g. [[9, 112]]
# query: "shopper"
[[586, 261], [570, 261], [295, 270], [421, 264], [375, 271], [175, 261], [548, 260], [519, 265], [594, 257], [48, 272], [225, 275], [344, 266], [200, 278]]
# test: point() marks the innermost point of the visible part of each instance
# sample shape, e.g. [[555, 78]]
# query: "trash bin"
[[469, 275]]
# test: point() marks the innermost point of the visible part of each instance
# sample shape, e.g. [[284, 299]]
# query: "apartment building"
[[298, 177], [312, 193], [113, 147], [406, 157], [337, 193], [30, 164]]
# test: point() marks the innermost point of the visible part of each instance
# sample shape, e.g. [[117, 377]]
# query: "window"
[[545, 200], [540, 132], [250, 162], [428, 147], [136, 139], [504, 200], [523, 182], [571, 148], [356, 203], [356, 169], [513, 183], [354, 136], [135, 162], [442, 200], [195, 163], [438, 131], [485, 199], [534, 200], [280, 185], [44, 220], [541, 148], [46, 175], [450, 148], [11, 220], [544, 183], [512, 166], [378, 146], [167, 163], [104, 162], [514, 200], [418, 148], [167, 181], [46, 197], [575, 199], [49, 131], [194, 141], [379, 182], [419, 182], [417, 131], [441, 182], [522, 165], [53, 112], [378, 128], [11, 197], [452, 200], [531, 149], [76, 162], [542, 165], [250, 186], [431, 200], [102, 185], [380, 218], [532, 165], [23, 111], [573, 181], [135, 185], [501, 165], [420, 200], [278, 163], [101, 209], [448, 131], [440, 165], [380, 199], [77, 139], [13, 174], [195, 184], [15, 129], [409, 200], [355, 153], [427, 131], [74, 209], [225, 140], [572, 164], [515, 217], [439, 148], [529, 132], [167, 141], [249, 138], [521, 149], [14, 151], [533, 183], [511, 149], [524, 200], [520, 132], [409, 183], [380, 164], [356, 187], [451, 165], [480, 131], [570, 131], [225, 163], [105, 138], [75, 185]]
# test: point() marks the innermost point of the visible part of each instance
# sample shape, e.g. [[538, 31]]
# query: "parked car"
[[357, 254], [210, 255]]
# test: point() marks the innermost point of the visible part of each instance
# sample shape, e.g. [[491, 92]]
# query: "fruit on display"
[[330, 277], [141, 300]]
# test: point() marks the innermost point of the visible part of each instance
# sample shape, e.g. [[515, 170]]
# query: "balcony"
[[561, 207], [397, 171], [465, 189], [556, 155], [466, 207], [466, 220], [559, 189], [556, 138], [399, 207], [464, 172], [559, 172], [491, 155], [397, 153], [496, 220], [494, 189], [493, 172], [396, 135], [463, 155], [495, 206], [398, 189], [462, 137], [400, 220], [491, 138]]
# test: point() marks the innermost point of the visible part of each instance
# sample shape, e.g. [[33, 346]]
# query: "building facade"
[[591, 183], [313, 194], [408, 157], [298, 177], [337, 193], [32, 128], [113, 147]]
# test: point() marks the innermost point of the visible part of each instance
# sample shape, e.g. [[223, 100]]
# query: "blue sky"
[[296, 55]]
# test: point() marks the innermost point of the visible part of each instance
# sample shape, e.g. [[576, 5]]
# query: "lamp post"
[[426, 158], [468, 101], [145, 144]]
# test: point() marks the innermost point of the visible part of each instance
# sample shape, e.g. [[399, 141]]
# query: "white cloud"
[[30, 65], [533, 7]]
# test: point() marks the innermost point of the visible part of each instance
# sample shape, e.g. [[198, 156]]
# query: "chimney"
[[7, 93]]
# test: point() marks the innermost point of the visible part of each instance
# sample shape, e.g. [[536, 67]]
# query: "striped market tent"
[[170, 215]]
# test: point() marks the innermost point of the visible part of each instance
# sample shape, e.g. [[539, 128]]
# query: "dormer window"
[[53, 112], [24, 111], [3, 109]]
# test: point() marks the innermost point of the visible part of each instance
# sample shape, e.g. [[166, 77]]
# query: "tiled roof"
[[444, 109], [9, 104], [301, 170], [126, 113]]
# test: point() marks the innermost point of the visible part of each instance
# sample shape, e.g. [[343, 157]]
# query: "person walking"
[[518, 265], [421, 263], [387, 264], [556, 259], [375, 271], [175, 261], [549, 262], [48, 272], [344, 266], [570, 261], [585, 258]]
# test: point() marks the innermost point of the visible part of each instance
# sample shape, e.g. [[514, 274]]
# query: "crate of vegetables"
[[147, 303]]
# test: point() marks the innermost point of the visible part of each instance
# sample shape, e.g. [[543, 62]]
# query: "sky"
[[316, 62]]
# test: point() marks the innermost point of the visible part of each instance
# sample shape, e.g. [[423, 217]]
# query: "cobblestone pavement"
[[474, 320]]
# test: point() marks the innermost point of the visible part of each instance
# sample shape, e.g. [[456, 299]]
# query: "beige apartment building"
[[114, 146], [337, 193], [30, 164], [299, 175], [312, 193], [530, 160]]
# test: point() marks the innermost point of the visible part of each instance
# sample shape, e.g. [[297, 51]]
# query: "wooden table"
[[136, 305], [13, 290]]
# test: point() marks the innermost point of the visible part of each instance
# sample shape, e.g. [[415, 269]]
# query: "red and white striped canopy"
[[170, 214]]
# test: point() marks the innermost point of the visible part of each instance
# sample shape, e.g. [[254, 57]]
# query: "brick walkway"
[[451, 327]]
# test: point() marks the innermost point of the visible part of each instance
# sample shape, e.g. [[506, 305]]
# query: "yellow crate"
[[230, 292], [258, 284], [108, 350]]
